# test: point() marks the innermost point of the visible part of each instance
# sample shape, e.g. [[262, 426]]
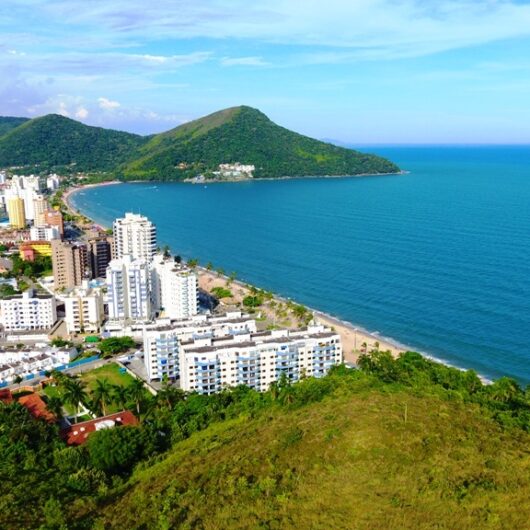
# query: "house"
[[37, 408], [78, 433], [6, 397]]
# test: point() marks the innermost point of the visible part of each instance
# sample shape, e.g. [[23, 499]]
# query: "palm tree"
[[55, 406], [209, 266], [120, 395], [103, 394], [75, 394], [136, 392]]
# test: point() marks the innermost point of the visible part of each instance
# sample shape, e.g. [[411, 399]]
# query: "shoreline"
[[352, 335]]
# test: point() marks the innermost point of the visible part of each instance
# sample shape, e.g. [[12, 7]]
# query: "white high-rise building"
[[128, 289], [28, 311], [84, 310], [52, 182], [174, 288], [135, 236]]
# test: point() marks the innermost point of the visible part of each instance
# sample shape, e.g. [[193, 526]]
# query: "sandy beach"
[[355, 340]]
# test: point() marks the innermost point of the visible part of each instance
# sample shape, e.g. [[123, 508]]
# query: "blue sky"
[[358, 71]]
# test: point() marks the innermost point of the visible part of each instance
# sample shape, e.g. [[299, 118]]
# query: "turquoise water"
[[438, 259]]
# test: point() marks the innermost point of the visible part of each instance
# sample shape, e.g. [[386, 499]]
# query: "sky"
[[356, 71]]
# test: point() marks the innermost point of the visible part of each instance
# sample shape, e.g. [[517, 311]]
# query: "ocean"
[[437, 259]]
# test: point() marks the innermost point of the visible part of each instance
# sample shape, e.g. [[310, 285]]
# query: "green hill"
[[238, 134], [8, 123], [245, 135], [398, 444], [54, 142]]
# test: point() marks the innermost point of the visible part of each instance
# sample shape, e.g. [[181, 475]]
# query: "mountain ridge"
[[236, 134]]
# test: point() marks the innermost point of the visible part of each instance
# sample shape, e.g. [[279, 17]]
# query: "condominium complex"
[[174, 288], [40, 206], [70, 264], [257, 360], [135, 236], [99, 254], [162, 338], [84, 310], [128, 289], [15, 212], [227, 350], [28, 311]]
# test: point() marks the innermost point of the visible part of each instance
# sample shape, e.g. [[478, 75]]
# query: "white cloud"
[[243, 61], [108, 104], [81, 113]]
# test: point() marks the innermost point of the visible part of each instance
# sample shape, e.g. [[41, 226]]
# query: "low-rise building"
[[29, 250], [28, 311], [32, 361], [44, 233]]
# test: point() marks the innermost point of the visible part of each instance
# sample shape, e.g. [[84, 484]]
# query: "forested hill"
[[7, 123], [245, 135], [239, 134], [405, 443], [54, 142]]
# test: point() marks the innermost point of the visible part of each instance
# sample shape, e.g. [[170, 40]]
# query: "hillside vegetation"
[[399, 444], [245, 135], [56, 142], [8, 123], [239, 134]]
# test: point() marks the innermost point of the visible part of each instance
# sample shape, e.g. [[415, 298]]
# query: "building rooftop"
[[78, 433], [37, 408]]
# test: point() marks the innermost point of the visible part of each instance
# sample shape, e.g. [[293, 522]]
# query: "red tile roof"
[[77, 433], [6, 396], [37, 407]]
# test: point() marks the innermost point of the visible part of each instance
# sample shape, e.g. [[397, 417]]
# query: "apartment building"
[[99, 253], [70, 264], [128, 289], [44, 233], [134, 235], [16, 212], [54, 218], [28, 311], [174, 288], [256, 360], [84, 311], [161, 339]]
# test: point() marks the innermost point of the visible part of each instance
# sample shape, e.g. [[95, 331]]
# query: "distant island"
[[235, 137]]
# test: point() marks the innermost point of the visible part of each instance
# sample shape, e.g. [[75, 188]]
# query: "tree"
[[209, 266], [55, 406], [192, 263], [137, 394], [166, 251], [74, 394], [115, 345], [120, 395], [103, 395]]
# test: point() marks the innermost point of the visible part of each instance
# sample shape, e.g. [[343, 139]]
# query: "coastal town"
[[111, 304]]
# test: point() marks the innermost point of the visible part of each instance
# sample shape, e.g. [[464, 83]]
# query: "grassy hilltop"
[[399, 444], [239, 134]]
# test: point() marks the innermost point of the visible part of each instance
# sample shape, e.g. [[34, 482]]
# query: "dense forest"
[[239, 134], [404, 443], [54, 142], [8, 123]]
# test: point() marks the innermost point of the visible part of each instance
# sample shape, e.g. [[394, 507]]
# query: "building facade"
[[54, 218], [129, 289], [99, 254], [44, 233], [16, 212], [134, 235], [84, 311], [70, 264], [174, 288], [28, 311]]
